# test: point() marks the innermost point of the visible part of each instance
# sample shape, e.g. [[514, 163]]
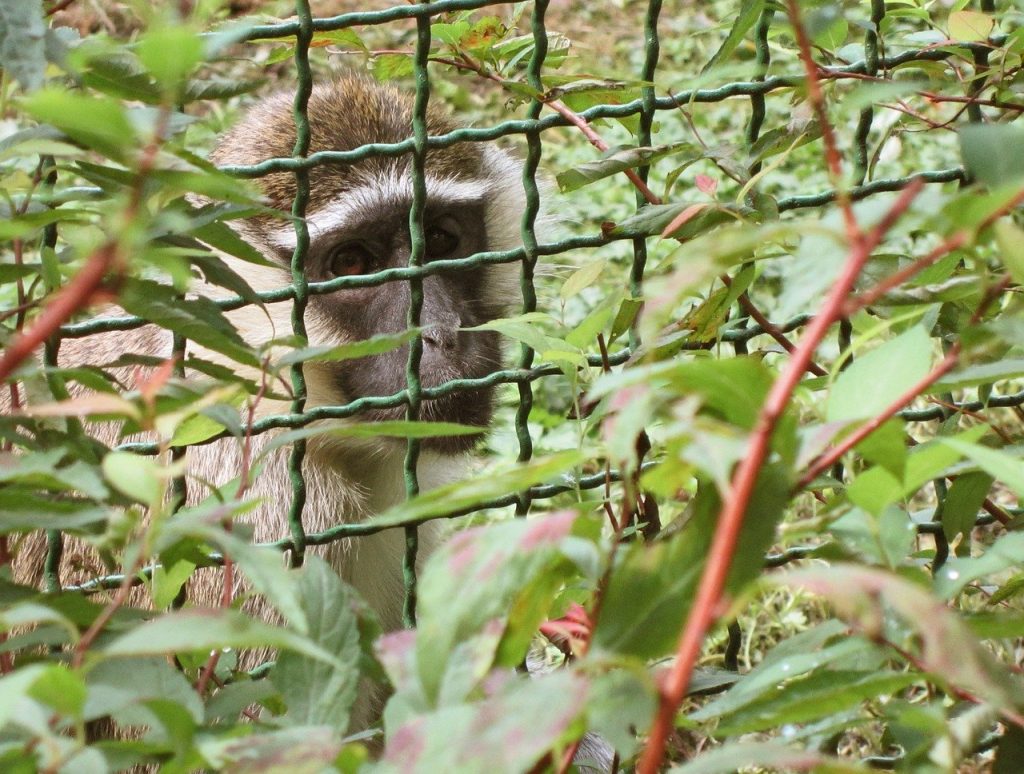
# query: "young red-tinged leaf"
[[509, 571], [299, 750], [705, 184], [511, 730]]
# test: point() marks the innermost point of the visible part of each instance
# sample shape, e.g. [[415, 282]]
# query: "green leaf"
[[945, 647], [262, 565], [619, 160], [100, 123], [963, 502], [137, 477], [878, 378], [110, 693], [745, 18], [581, 279], [970, 26], [455, 497], [349, 351], [1006, 552], [649, 595], [980, 373], [16, 686], [1010, 238], [170, 53], [22, 41], [993, 153], [825, 693], [197, 319], [822, 646], [733, 757], [316, 692], [999, 464], [200, 630]]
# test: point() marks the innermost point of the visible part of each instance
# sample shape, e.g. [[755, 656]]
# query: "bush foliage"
[[776, 468]]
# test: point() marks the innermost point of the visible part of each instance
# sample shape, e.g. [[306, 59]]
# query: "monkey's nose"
[[444, 339]]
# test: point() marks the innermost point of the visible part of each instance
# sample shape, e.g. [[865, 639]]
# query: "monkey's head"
[[358, 219]]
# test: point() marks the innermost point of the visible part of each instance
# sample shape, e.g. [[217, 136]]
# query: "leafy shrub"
[[862, 189]]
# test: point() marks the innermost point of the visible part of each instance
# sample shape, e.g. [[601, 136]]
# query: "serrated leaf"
[[318, 693], [152, 678], [476, 577]]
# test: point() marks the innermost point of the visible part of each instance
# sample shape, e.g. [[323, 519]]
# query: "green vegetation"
[[771, 473]]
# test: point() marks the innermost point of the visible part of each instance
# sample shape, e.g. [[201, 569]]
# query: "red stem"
[[723, 544], [68, 300]]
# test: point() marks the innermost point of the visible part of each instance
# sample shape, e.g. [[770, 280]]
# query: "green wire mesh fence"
[[525, 372]]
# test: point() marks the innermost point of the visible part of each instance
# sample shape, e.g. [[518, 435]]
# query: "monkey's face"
[[358, 220], [452, 301]]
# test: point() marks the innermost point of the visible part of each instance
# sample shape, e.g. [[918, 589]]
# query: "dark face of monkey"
[[358, 220], [451, 301]]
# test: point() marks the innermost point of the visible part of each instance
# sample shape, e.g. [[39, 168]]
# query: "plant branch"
[[723, 545]]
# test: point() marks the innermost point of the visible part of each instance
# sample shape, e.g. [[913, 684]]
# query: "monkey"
[[358, 222]]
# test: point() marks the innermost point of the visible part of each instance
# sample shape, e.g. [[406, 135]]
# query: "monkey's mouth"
[[473, 408]]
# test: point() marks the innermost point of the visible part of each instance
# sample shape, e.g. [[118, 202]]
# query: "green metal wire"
[[872, 41], [529, 238], [417, 148], [303, 89], [414, 390]]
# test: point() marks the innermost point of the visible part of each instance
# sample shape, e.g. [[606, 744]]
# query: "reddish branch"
[[77, 294], [954, 242], [708, 600], [817, 99], [87, 284], [833, 455]]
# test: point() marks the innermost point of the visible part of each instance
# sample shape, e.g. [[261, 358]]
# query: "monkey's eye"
[[349, 259], [442, 239]]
